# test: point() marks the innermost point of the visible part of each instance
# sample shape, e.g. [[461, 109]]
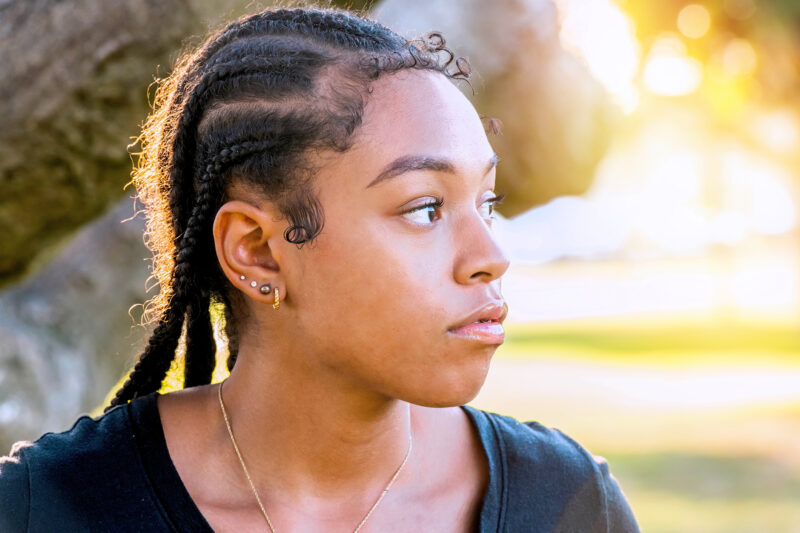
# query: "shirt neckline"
[[177, 506], [182, 514], [491, 508]]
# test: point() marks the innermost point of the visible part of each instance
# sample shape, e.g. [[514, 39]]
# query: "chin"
[[451, 391]]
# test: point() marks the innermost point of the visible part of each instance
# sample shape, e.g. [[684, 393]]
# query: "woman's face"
[[379, 296]]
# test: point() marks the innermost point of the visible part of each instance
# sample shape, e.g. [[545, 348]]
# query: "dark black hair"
[[248, 106]]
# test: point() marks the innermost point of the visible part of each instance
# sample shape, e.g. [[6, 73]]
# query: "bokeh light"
[[668, 296], [694, 21], [739, 58], [669, 71], [603, 35]]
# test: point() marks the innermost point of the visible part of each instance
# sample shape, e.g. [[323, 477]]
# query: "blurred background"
[[651, 155]]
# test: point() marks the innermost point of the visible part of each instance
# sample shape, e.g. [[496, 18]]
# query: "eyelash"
[[495, 201], [439, 202]]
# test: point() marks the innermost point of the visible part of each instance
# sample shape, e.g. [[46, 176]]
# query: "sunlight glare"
[[669, 71], [604, 37], [777, 130], [759, 190]]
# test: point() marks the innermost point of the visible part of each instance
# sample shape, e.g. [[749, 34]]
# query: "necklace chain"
[[255, 492]]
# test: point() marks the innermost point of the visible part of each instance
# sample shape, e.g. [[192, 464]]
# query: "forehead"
[[420, 113]]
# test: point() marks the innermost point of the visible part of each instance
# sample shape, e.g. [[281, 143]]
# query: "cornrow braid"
[[153, 364], [248, 106], [207, 88], [154, 361], [232, 336], [200, 357], [200, 345], [351, 32], [188, 303], [358, 33]]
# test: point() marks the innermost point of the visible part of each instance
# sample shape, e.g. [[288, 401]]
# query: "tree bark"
[[73, 91], [66, 335]]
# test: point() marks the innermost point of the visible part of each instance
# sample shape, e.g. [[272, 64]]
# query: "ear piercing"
[[265, 289]]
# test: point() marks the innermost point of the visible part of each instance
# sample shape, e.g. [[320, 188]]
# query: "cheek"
[[379, 308], [375, 283]]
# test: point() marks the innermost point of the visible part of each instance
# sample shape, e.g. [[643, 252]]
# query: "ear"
[[247, 241]]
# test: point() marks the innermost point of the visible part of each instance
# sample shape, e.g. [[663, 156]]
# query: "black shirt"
[[114, 473]]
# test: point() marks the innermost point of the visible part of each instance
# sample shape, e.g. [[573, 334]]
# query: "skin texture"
[[326, 389]]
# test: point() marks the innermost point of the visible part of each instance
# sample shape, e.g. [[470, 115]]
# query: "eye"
[[425, 214], [488, 206]]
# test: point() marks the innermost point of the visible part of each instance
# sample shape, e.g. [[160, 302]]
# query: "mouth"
[[484, 325]]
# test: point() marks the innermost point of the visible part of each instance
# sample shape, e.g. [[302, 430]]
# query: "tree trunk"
[[556, 119], [73, 92], [66, 335]]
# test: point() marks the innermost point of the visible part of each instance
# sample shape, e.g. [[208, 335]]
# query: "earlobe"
[[243, 234]]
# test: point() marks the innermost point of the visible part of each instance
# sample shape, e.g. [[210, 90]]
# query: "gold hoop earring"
[[277, 304]]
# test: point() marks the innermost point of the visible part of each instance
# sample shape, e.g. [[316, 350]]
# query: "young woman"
[[323, 181]]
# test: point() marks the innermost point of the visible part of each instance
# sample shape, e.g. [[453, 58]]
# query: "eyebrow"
[[410, 163]]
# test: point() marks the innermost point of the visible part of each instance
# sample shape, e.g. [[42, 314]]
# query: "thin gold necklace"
[[255, 492]]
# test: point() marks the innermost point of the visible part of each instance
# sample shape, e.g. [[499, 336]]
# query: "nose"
[[479, 257]]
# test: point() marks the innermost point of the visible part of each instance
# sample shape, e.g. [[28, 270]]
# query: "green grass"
[[662, 344], [688, 490], [703, 477], [683, 492], [665, 512]]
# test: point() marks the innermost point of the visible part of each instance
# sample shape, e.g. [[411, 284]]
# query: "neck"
[[311, 432]]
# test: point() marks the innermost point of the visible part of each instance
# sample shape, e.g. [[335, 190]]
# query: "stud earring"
[[265, 289], [253, 284], [242, 277], [277, 304]]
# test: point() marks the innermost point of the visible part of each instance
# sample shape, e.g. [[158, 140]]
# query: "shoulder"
[[533, 446], [14, 490], [59, 476], [547, 477], [88, 440]]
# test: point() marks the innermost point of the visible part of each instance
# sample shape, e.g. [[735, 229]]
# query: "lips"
[[494, 311], [484, 325]]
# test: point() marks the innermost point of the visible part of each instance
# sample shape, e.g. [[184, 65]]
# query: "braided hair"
[[248, 106]]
